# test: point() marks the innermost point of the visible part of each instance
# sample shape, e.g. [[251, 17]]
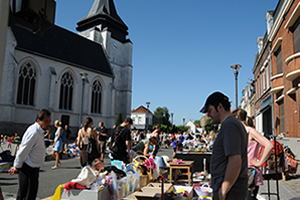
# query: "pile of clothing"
[[90, 179]]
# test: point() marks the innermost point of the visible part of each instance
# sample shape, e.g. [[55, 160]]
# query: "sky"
[[183, 50]]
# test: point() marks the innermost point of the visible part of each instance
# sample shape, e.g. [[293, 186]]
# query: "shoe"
[[59, 164], [54, 167]]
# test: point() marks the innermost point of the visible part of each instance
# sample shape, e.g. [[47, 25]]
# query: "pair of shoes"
[[54, 167]]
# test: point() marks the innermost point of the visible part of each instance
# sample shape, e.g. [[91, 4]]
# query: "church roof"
[[64, 46], [104, 12]]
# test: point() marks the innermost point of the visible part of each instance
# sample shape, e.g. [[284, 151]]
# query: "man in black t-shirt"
[[229, 160], [123, 153], [102, 137]]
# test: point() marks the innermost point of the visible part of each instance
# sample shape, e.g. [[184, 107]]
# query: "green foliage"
[[210, 126], [174, 129], [181, 128], [163, 116], [163, 128], [197, 122], [119, 120]]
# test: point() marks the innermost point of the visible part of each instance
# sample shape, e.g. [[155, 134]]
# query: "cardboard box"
[[151, 192], [76, 194]]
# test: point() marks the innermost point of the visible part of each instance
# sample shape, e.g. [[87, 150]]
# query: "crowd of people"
[[178, 141], [234, 150]]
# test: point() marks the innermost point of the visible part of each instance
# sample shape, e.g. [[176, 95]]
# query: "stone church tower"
[[104, 26], [74, 75]]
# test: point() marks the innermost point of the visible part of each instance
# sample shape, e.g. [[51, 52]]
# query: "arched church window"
[[26, 85], [96, 97], [66, 92]]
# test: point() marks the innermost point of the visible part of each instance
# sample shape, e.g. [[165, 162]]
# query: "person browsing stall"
[[57, 145], [123, 153], [228, 165], [83, 139], [255, 140], [155, 133], [102, 137], [144, 147], [30, 156], [69, 133]]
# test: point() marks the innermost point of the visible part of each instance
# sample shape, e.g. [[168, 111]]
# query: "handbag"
[[291, 163], [145, 177], [92, 149]]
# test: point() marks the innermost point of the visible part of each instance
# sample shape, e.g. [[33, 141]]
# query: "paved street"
[[70, 168]]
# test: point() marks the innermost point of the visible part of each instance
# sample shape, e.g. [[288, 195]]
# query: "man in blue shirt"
[[181, 139], [30, 156]]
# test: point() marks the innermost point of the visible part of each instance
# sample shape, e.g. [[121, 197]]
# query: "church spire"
[[103, 13]]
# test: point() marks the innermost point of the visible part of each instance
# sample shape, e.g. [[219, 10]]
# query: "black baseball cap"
[[214, 97]]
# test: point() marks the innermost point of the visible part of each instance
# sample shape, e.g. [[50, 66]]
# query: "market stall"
[[201, 159], [135, 181]]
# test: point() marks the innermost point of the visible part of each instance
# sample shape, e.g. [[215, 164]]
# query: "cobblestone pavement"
[[294, 182], [288, 190]]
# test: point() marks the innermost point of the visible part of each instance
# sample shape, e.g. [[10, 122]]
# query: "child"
[[174, 145]]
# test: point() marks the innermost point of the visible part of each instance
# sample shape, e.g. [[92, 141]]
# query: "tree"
[[163, 116], [163, 128], [197, 122], [210, 126], [181, 128], [119, 120]]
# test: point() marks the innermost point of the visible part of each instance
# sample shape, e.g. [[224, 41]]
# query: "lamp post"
[[183, 124], [172, 117], [148, 103], [83, 78], [236, 68]]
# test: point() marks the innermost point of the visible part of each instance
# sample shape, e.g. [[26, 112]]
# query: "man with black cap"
[[229, 162]]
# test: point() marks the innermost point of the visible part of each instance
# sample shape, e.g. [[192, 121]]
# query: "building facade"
[[193, 129], [247, 100], [143, 118], [73, 75], [285, 57], [262, 71]]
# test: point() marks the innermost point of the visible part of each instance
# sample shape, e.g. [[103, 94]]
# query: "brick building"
[[285, 77]]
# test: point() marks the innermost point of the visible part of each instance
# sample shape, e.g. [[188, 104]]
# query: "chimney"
[[260, 43], [270, 21]]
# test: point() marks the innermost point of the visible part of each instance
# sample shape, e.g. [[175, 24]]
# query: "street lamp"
[[236, 68], [148, 103], [172, 117], [83, 78], [183, 124]]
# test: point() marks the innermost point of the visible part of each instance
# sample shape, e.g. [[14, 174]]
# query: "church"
[[75, 76]]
